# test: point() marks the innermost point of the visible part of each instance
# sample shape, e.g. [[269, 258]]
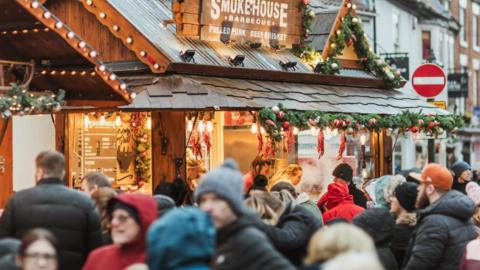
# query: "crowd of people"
[[257, 221]]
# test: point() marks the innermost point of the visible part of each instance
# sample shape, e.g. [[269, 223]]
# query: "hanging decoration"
[[141, 137], [19, 101], [200, 129], [278, 121], [350, 33]]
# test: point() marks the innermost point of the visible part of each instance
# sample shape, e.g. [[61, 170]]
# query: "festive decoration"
[[351, 124], [19, 101], [350, 33]]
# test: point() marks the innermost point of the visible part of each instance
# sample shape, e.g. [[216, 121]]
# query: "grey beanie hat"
[[227, 182]]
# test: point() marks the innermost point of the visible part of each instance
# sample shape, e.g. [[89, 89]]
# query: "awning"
[[182, 92]]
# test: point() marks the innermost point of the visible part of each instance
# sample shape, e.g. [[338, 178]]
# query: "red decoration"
[[421, 122], [349, 42], [195, 142], [320, 143], [286, 125], [431, 125], [271, 123], [343, 144], [414, 129], [306, 2], [354, 38], [372, 121], [207, 140], [348, 121], [289, 140], [280, 115], [312, 122], [260, 142]]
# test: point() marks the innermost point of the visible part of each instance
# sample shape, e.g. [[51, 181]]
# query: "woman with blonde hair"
[[101, 196], [293, 174], [334, 240]]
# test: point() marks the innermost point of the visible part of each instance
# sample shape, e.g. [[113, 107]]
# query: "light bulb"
[[209, 126], [86, 121], [363, 138], [189, 126], [118, 121], [295, 131], [149, 123], [254, 128], [201, 126], [102, 120]]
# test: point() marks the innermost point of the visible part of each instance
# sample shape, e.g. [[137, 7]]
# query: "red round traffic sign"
[[429, 80]]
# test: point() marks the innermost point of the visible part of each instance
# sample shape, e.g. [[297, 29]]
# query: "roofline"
[[145, 50], [279, 76], [38, 12]]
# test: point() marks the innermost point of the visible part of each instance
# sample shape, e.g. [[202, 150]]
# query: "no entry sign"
[[429, 80]]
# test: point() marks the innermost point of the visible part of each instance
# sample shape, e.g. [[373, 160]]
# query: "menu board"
[[100, 151]]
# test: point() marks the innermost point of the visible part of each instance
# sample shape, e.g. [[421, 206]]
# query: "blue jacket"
[[182, 239]]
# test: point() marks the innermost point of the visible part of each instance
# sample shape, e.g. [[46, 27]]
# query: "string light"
[[116, 28], [129, 40], [143, 53], [35, 4], [58, 25], [103, 15], [123, 86], [112, 77], [71, 35], [93, 54], [47, 15], [89, 2]]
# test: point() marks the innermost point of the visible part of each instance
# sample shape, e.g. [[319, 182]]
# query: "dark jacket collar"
[[225, 233], [50, 181]]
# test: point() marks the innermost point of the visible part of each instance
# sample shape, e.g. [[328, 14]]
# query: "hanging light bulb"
[[102, 120], [363, 139], [254, 128], [201, 126], [189, 126], [295, 131], [209, 126], [364, 173], [149, 123], [118, 121], [86, 121]]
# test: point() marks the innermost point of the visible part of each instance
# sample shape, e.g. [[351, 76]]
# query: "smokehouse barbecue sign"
[[270, 22]]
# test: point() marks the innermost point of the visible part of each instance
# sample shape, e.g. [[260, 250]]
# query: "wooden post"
[[387, 153], [168, 144], [61, 142], [6, 164]]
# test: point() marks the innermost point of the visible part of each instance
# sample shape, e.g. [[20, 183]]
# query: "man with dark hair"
[[344, 173], [68, 214], [93, 181], [444, 224]]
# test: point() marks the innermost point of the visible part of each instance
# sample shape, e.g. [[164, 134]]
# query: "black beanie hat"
[[260, 182], [132, 211], [343, 171], [406, 195]]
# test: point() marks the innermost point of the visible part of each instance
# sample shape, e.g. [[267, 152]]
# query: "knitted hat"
[[343, 171], [436, 175], [406, 195], [260, 182], [127, 208], [226, 182], [473, 192], [459, 167]]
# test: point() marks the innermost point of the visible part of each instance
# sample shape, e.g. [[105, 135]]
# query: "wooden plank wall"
[[169, 125], [89, 28], [6, 171]]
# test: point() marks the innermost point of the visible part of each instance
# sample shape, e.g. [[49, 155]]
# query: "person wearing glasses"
[[130, 217], [38, 251]]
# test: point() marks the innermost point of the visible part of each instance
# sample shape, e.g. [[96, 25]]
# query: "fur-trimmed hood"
[[409, 219]]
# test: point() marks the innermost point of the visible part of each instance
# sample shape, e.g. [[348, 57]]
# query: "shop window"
[[115, 144], [475, 33], [463, 24], [426, 45], [396, 30]]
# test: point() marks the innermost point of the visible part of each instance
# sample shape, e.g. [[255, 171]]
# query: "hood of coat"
[[183, 238], [409, 219], [454, 204], [146, 208], [336, 194], [378, 223]]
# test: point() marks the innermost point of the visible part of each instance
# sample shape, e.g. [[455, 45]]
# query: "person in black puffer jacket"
[[444, 224], [292, 230], [69, 214], [379, 224]]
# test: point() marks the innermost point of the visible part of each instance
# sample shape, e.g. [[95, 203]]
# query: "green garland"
[[278, 119], [350, 33], [18, 101], [143, 145]]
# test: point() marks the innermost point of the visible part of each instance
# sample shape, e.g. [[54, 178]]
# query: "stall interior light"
[[262, 131], [190, 125], [209, 126], [86, 121], [254, 128], [102, 120], [201, 126], [149, 123], [364, 173], [363, 139], [118, 121]]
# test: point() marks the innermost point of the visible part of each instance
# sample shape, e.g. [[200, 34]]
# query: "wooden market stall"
[[207, 88]]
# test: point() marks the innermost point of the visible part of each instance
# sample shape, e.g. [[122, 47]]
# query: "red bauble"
[[372, 121], [286, 125], [348, 121], [421, 122], [431, 125], [414, 129], [354, 38], [350, 42], [280, 115]]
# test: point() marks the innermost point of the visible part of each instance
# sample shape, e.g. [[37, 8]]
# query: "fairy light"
[[93, 54], [71, 35], [112, 77], [116, 28], [58, 25], [143, 53], [89, 2], [35, 4], [123, 86], [254, 128], [129, 40], [47, 15], [103, 15]]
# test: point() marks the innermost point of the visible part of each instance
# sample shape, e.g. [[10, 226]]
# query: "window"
[[475, 31], [462, 19], [426, 45], [475, 88], [396, 30]]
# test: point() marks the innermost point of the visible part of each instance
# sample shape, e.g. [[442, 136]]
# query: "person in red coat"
[[338, 203], [131, 216]]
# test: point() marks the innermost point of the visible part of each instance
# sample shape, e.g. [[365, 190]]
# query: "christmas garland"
[[350, 33], [278, 122], [138, 124], [18, 101]]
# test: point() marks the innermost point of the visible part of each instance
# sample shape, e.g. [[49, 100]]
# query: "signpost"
[[429, 80], [400, 62]]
